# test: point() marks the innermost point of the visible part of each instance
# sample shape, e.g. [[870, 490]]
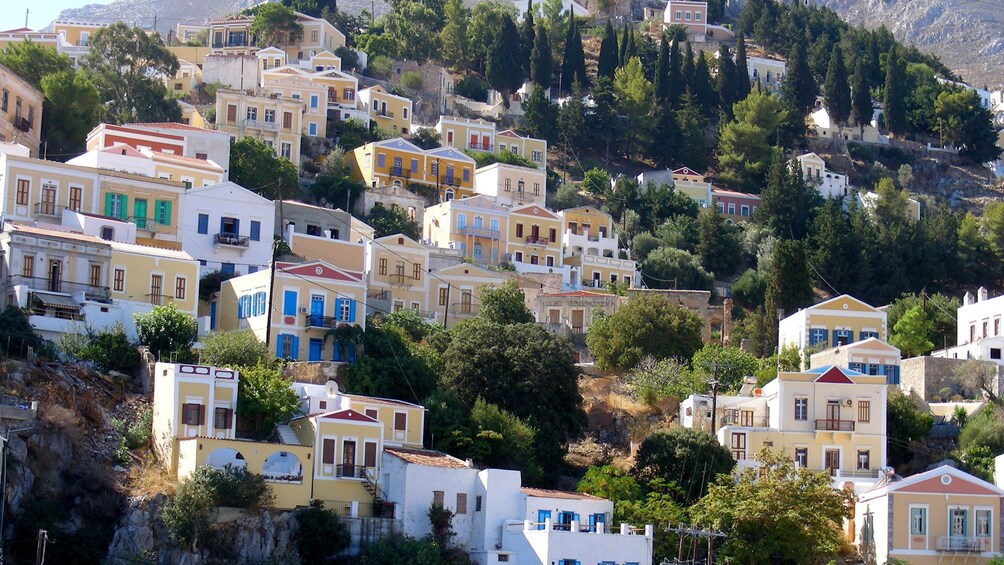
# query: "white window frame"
[[927, 525]]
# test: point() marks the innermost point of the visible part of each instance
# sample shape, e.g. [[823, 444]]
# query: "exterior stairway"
[[286, 434]]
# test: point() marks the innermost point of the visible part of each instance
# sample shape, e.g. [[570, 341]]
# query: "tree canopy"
[[255, 166], [649, 324], [689, 457]]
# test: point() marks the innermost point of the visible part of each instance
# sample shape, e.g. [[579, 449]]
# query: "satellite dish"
[[332, 389]]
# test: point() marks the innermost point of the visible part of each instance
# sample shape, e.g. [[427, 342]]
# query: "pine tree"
[[691, 152], [688, 68], [541, 114], [742, 69], [625, 40], [703, 88], [666, 138], [799, 86], [453, 36], [607, 62], [503, 69], [789, 286], [573, 64], [894, 110], [540, 61], [861, 97], [661, 81], [527, 35], [726, 80], [571, 118], [676, 84], [836, 91], [874, 69]]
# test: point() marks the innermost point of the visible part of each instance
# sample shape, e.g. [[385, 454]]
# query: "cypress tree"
[[573, 64], [676, 84], [894, 112], [661, 84], [836, 90], [704, 88], [625, 39], [742, 69], [607, 63], [874, 70], [799, 86], [688, 68], [726, 80], [632, 47], [527, 37], [503, 69], [540, 61], [861, 97], [666, 138]]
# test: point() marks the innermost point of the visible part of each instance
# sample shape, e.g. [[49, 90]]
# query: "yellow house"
[[453, 292], [231, 35], [306, 300], [590, 245], [188, 77], [476, 225], [339, 88], [146, 162], [531, 148], [388, 111], [191, 401], [533, 236], [512, 185], [940, 516], [153, 276], [840, 320], [827, 419], [398, 161], [315, 110], [692, 183], [466, 133], [870, 356], [318, 36], [78, 33], [348, 255], [273, 119], [20, 111], [397, 273]]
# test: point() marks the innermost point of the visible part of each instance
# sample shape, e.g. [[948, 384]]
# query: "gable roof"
[[561, 494], [398, 143], [318, 269], [834, 375], [471, 269], [426, 457], [579, 294], [450, 152], [534, 210], [350, 416], [231, 185], [942, 480], [392, 239], [687, 171], [842, 296]]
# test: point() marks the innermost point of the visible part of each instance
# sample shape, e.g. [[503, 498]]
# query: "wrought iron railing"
[[233, 239], [91, 292], [959, 543]]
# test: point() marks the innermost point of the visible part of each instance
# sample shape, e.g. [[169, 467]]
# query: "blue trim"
[[289, 303], [542, 516], [255, 230], [203, 223]]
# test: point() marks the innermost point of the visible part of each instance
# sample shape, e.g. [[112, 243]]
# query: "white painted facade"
[[218, 226], [511, 185], [815, 173]]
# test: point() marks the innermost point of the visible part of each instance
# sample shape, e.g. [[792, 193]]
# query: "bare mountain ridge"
[[965, 34]]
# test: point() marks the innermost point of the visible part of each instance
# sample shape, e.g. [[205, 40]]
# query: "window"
[[801, 456], [156, 287], [519, 230], [477, 504], [686, 15], [697, 16], [382, 269], [864, 410], [287, 120], [75, 198], [400, 421], [313, 36], [162, 212], [744, 211], [119, 281], [983, 524], [493, 224], [995, 353], [679, 15], [255, 230], [179, 288], [414, 166], [115, 205], [461, 503], [252, 114], [552, 235], [285, 150], [538, 156], [801, 409], [23, 186], [739, 446], [222, 418], [313, 101], [231, 112], [416, 271], [443, 294], [918, 521], [4, 100], [312, 129], [94, 275], [28, 266], [203, 223], [191, 414], [437, 497], [508, 185], [328, 451], [345, 310], [864, 460]]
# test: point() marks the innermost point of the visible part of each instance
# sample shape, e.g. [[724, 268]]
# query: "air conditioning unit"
[[303, 310], [848, 402]]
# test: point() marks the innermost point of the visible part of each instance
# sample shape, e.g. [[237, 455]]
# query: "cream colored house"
[[388, 111], [827, 419], [511, 185], [815, 173], [318, 36], [533, 149], [870, 356], [315, 111], [187, 170], [397, 272], [534, 237], [453, 291], [940, 516], [590, 246], [275, 120], [475, 225], [838, 321], [20, 111]]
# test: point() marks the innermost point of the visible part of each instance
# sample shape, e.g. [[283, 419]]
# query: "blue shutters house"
[[289, 303], [818, 335], [255, 230], [314, 353], [842, 337], [867, 334], [542, 517]]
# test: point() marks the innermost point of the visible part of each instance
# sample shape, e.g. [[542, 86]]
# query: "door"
[[577, 321], [317, 311], [156, 288], [534, 233], [832, 415], [542, 517], [48, 204], [554, 316], [139, 211], [55, 275], [832, 461], [958, 523], [314, 353], [370, 455], [349, 459]]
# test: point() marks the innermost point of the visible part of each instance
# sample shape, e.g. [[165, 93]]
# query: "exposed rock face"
[[965, 34]]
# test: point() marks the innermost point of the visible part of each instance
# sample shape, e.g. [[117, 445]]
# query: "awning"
[[57, 301]]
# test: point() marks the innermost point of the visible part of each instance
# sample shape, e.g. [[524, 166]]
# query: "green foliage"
[[776, 513], [391, 221], [744, 151], [910, 333], [573, 62], [210, 283], [939, 311], [648, 324], [984, 430], [275, 25], [749, 289], [334, 186], [728, 364], [540, 59], [453, 36], [690, 457], [609, 482], [263, 400], [504, 305], [667, 267], [788, 283], [799, 87], [905, 425], [132, 435], [319, 534], [894, 111], [635, 101], [503, 68], [256, 166], [541, 115], [414, 29], [109, 349], [166, 330], [717, 245], [964, 123], [836, 89], [411, 80], [653, 380], [391, 368], [483, 158], [400, 549], [233, 349], [502, 440], [607, 62]]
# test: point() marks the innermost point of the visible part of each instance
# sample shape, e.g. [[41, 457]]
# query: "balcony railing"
[[398, 278], [91, 292], [22, 124], [224, 238], [258, 124], [462, 308], [959, 543], [378, 294], [145, 223], [482, 232], [537, 240], [385, 114], [345, 471], [480, 146], [835, 425], [449, 181], [225, 44], [320, 321], [159, 299], [48, 209]]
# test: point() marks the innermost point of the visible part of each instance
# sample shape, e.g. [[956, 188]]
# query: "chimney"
[[982, 292]]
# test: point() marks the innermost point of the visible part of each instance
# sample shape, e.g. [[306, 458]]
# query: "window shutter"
[[203, 223], [255, 231], [229, 418], [278, 346], [108, 203], [296, 348], [289, 303], [237, 226], [328, 452], [352, 311], [338, 309], [125, 204], [167, 212], [202, 414]]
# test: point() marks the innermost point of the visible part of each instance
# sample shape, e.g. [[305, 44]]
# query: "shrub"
[[319, 534], [412, 80], [263, 398], [232, 349], [239, 488], [109, 350], [166, 330], [16, 333], [400, 549], [472, 87], [209, 283], [379, 66]]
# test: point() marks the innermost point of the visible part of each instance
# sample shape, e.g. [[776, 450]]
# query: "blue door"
[[316, 345], [316, 310], [212, 315], [542, 516]]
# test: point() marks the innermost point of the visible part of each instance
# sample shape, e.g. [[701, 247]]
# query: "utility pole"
[[43, 539], [446, 307], [26, 12], [685, 532], [714, 401]]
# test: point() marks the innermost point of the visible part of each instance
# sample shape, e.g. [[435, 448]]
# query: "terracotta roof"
[[201, 163], [563, 494], [350, 415], [426, 457], [57, 231], [378, 400], [174, 125], [724, 192], [579, 293]]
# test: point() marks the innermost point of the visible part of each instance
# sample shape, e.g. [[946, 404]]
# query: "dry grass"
[[147, 478], [59, 416], [626, 404]]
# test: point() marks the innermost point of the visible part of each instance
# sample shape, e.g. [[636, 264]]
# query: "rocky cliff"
[[965, 34]]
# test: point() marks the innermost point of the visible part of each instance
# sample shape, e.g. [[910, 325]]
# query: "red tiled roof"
[[578, 293], [56, 231], [563, 494], [426, 457], [175, 125]]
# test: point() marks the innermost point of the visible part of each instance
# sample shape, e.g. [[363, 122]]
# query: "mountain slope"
[[965, 34]]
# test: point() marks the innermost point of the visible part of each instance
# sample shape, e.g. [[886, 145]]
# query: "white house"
[[978, 329], [823, 126], [497, 521], [228, 228], [511, 185], [766, 72], [828, 183]]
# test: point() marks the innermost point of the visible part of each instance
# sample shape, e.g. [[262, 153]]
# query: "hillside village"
[[500, 283]]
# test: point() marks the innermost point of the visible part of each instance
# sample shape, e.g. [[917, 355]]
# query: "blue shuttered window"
[[255, 231], [203, 223], [289, 303], [818, 335], [352, 311]]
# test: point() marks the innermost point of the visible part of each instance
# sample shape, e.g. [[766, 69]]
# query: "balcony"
[[399, 279], [541, 241], [960, 543], [480, 146], [345, 471], [449, 181], [91, 292], [262, 125], [320, 321], [145, 223], [384, 114], [158, 299], [22, 124], [228, 44], [378, 294], [481, 232], [835, 425], [232, 239], [48, 209]]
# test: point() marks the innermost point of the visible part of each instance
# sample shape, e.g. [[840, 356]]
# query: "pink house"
[[735, 206], [692, 15]]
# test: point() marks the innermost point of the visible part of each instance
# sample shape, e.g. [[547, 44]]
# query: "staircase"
[[286, 434], [374, 489]]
